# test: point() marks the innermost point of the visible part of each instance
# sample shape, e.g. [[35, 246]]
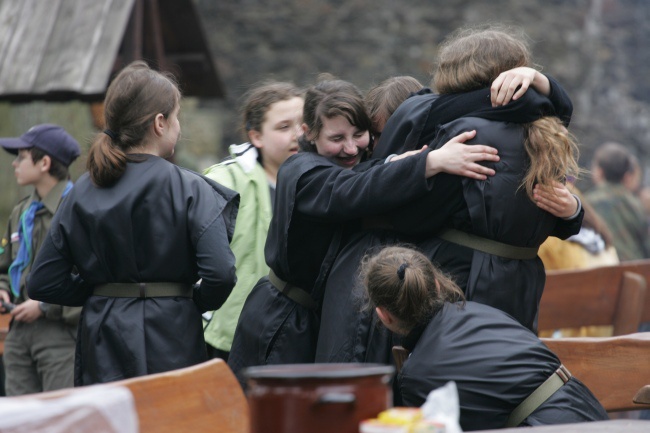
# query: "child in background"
[[272, 118], [39, 349]]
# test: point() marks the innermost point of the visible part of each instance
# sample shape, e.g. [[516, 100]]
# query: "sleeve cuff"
[[389, 157], [577, 211]]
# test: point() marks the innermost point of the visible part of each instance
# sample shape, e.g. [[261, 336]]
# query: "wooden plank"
[[81, 30], [27, 46], [202, 398], [4, 329], [613, 368], [593, 297], [641, 267], [107, 45]]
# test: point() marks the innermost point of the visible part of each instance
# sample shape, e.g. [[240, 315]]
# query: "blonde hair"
[[406, 283], [472, 59]]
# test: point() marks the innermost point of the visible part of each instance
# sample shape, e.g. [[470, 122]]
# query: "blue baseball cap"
[[51, 139]]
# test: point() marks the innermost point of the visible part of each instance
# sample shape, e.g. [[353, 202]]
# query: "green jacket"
[[245, 175], [623, 213], [10, 244]]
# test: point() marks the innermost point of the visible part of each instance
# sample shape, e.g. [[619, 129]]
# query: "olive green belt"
[[292, 292], [143, 290], [539, 396], [488, 245]]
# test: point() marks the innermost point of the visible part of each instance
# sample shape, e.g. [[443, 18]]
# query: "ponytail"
[[106, 163], [552, 152], [133, 99], [408, 285]]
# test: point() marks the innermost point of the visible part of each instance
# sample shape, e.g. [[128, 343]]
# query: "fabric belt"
[[143, 290], [488, 245], [539, 396], [292, 292]]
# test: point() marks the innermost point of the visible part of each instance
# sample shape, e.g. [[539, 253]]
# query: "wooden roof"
[[70, 49]]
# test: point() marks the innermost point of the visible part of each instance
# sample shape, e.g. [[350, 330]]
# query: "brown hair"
[[383, 99], [258, 100], [57, 169], [472, 59], [615, 161], [133, 99], [406, 283], [327, 99]]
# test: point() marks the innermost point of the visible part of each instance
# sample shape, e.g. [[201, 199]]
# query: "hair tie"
[[248, 126], [402, 270], [111, 134]]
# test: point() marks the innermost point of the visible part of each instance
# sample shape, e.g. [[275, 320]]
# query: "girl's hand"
[[511, 85], [555, 199], [407, 154], [461, 159]]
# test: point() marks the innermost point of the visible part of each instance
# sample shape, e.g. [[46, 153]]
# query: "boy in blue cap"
[[39, 348]]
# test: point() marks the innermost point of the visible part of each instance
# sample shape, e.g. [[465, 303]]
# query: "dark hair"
[[258, 100], [406, 283], [133, 99], [383, 99], [57, 169], [472, 59], [327, 99], [614, 160]]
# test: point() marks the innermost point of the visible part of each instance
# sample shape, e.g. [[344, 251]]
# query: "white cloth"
[[97, 409]]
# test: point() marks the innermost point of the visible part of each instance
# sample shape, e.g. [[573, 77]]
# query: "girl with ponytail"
[[140, 232], [495, 362]]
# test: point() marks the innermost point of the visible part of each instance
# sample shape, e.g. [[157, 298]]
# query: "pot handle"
[[337, 398]]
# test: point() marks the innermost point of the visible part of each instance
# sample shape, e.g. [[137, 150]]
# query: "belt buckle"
[[563, 373], [142, 288]]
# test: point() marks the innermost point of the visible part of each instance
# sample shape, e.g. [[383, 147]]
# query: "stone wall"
[[596, 48]]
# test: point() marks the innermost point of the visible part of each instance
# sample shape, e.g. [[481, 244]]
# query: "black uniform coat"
[[158, 223], [498, 209], [316, 201], [495, 362], [348, 334]]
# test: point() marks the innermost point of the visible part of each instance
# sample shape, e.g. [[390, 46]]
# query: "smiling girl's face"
[[341, 142]]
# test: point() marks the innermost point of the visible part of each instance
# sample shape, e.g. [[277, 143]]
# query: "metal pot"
[[317, 398]]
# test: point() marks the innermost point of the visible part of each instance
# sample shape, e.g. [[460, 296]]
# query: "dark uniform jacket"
[[497, 209], [158, 223], [11, 244], [315, 201], [347, 335], [495, 362]]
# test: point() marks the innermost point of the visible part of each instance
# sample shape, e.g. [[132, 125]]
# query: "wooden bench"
[[204, 397], [641, 267], [608, 295], [615, 369], [4, 329]]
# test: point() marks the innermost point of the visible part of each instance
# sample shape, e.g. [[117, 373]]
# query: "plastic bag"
[[442, 407]]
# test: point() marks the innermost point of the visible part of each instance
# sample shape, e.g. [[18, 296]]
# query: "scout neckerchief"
[[25, 227]]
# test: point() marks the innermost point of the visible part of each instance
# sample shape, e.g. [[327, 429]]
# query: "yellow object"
[[400, 420], [400, 415]]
